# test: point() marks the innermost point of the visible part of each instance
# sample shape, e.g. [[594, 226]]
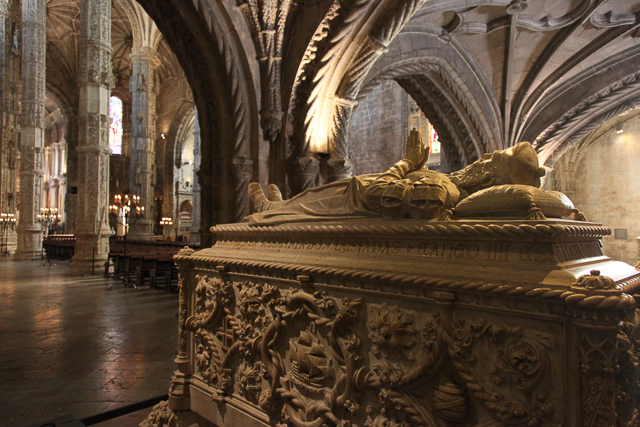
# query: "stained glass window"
[[434, 141], [115, 133]]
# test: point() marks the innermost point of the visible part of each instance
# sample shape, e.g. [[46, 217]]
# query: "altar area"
[[463, 322]]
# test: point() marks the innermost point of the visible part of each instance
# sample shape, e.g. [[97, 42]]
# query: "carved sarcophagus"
[[407, 323]]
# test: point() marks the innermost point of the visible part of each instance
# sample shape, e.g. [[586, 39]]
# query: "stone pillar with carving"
[[195, 216], [598, 343], [179, 390], [242, 172], [340, 167], [34, 49], [95, 79], [142, 86], [9, 110]]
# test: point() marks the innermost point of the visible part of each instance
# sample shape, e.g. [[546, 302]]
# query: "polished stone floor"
[[79, 346]]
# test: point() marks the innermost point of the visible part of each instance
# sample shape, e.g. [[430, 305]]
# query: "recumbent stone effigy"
[[408, 298]]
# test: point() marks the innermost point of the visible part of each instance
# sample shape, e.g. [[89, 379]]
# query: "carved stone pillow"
[[515, 201]]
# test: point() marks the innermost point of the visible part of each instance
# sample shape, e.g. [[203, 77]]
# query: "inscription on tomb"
[[566, 252], [454, 250], [480, 251]]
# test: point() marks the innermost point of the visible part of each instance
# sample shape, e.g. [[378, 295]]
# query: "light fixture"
[[162, 136], [619, 128]]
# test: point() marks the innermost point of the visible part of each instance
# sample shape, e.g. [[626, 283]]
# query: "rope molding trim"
[[600, 302], [548, 231]]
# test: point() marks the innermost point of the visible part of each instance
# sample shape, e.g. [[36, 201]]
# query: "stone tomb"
[[406, 323]]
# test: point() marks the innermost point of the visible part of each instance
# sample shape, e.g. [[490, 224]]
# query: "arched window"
[[115, 134]]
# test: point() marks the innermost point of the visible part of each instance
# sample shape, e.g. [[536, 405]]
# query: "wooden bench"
[[59, 246], [165, 273], [145, 262]]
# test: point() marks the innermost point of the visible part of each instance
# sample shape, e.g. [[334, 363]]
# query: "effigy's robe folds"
[[380, 323]]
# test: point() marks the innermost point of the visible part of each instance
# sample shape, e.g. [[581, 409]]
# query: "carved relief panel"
[[302, 356]]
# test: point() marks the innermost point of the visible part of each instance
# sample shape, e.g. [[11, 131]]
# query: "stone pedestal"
[[373, 323]]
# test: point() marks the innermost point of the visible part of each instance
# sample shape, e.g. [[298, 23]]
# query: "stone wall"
[[376, 129], [600, 175]]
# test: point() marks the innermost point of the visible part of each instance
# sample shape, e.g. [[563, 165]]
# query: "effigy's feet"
[[273, 193], [257, 197]]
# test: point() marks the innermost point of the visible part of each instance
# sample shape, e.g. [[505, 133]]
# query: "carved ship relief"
[[310, 367]]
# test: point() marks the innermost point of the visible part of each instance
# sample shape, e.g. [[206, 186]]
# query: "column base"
[[27, 255], [91, 254], [29, 245], [80, 266], [12, 243], [141, 230]]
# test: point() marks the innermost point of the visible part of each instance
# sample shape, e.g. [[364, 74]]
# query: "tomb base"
[[388, 323]]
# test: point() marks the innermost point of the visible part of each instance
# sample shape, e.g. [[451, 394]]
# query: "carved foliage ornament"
[[287, 347], [391, 332], [299, 356], [512, 379], [517, 389], [595, 282]]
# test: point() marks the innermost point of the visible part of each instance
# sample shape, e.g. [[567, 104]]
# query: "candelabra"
[[48, 217], [7, 222], [165, 221], [126, 210]]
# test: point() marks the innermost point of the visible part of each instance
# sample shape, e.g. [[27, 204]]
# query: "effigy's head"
[[518, 165], [515, 165]]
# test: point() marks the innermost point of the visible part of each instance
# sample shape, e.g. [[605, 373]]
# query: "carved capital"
[[242, 168], [339, 168], [308, 169], [271, 123], [144, 53]]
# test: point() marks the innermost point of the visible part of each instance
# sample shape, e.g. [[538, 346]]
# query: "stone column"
[[142, 86], [340, 166], [95, 81], [34, 49], [195, 225], [9, 111], [242, 172]]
